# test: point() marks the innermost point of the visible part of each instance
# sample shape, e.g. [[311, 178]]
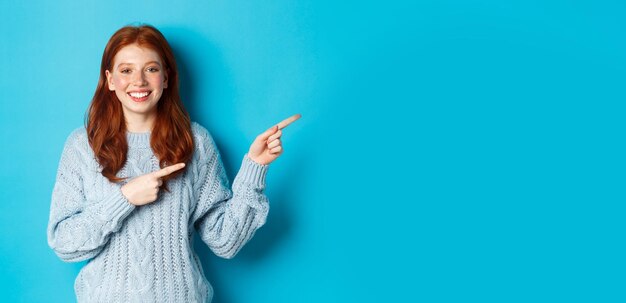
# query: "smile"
[[139, 96]]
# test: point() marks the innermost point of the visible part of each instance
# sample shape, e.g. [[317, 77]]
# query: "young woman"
[[140, 177]]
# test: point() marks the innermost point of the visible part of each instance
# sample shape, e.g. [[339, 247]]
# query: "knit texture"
[[145, 253]]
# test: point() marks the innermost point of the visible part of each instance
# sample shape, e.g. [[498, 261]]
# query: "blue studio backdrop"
[[448, 151]]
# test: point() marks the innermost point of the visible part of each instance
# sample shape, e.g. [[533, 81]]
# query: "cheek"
[[120, 82], [157, 81]]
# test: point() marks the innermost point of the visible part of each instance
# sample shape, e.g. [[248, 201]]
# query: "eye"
[[153, 69], [125, 71]]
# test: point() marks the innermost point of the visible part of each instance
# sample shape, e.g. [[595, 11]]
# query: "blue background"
[[448, 151]]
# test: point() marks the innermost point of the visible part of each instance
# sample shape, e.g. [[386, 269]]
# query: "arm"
[[226, 220], [78, 229]]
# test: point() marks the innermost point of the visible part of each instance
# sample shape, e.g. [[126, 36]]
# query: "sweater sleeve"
[[227, 219], [79, 228]]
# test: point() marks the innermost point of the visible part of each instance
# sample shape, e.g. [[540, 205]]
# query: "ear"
[[109, 81]]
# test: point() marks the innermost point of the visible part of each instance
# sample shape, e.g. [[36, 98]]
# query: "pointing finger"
[[168, 170], [288, 121], [264, 136], [267, 133]]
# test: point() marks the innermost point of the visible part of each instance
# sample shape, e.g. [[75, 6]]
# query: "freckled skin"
[[140, 69]]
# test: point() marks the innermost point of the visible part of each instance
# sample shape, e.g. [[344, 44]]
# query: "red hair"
[[171, 137]]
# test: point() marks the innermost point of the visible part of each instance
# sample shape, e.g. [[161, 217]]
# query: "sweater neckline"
[[138, 139]]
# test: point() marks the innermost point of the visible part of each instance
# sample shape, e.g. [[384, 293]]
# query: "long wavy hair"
[[171, 137]]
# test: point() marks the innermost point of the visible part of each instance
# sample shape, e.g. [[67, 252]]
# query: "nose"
[[139, 79]]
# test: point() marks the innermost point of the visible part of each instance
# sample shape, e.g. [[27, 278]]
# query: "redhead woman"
[[137, 181]]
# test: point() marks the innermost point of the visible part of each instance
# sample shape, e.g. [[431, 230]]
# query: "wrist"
[[126, 195], [255, 160]]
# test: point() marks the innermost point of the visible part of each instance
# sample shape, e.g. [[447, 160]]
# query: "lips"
[[139, 96]]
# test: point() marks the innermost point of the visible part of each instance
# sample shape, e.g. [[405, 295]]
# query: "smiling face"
[[138, 79]]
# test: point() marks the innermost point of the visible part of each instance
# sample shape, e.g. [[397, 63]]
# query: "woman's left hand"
[[267, 146]]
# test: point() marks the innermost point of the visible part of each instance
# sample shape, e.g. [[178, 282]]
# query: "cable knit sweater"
[[145, 253]]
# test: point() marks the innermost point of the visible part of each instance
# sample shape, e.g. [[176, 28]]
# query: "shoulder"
[[77, 144], [76, 148], [203, 140], [79, 133], [77, 139], [199, 130]]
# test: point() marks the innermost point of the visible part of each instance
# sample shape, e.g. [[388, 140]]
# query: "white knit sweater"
[[145, 253]]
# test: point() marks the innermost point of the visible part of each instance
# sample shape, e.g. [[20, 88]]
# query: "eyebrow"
[[123, 63]]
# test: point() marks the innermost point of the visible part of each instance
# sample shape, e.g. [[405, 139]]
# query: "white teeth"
[[138, 95]]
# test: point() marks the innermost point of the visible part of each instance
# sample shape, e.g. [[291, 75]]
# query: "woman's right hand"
[[145, 188]]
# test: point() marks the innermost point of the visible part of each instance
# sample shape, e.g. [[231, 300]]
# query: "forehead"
[[134, 54]]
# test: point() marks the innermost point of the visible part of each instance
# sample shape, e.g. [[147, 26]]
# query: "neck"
[[140, 123]]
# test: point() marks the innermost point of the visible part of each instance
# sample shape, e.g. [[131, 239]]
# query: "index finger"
[[168, 170], [288, 121]]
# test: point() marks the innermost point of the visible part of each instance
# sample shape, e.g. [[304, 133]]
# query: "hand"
[[267, 146], [145, 188]]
